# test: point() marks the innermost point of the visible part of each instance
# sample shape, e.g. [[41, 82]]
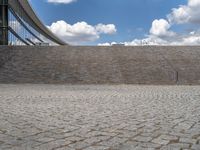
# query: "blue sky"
[[130, 19]]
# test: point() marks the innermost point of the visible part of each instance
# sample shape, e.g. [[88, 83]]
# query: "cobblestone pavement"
[[99, 117]]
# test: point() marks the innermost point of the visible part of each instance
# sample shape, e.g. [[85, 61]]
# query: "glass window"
[[3, 2], [1, 16]]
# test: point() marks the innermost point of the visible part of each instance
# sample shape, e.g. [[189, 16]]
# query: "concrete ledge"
[[100, 65]]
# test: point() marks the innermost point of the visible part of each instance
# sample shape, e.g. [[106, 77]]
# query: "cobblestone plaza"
[[99, 117]]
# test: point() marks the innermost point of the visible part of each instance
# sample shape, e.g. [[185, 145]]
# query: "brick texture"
[[100, 65]]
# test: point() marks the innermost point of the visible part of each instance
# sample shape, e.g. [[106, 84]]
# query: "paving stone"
[[149, 145], [44, 139], [53, 144], [125, 147], [113, 142], [142, 148], [96, 139], [65, 148], [97, 148], [167, 147], [196, 146], [179, 145], [79, 145], [187, 140], [142, 139], [169, 137], [160, 141], [117, 117]]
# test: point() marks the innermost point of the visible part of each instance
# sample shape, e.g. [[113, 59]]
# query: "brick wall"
[[100, 65]]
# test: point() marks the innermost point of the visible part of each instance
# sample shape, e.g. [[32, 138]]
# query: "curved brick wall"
[[100, 65]]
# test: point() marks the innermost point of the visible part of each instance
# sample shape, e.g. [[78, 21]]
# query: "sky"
[[128, 22]]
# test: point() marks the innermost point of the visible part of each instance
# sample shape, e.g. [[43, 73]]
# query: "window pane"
[[3, 2], [1, 16]]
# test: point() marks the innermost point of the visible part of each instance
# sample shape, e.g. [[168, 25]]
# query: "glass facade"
[[3, 2], [3, 22], [1, 17]]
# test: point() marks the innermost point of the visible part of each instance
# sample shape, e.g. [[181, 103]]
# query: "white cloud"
[[180, 15], [104, 44], [190, 39], [106, 29], [160, 33], [107, 44], [80, 32], [152, 40], [161, 28], [61, 1], [186, 13], [194, 3]]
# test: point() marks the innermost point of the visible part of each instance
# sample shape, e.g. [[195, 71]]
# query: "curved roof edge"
[[31, 18]]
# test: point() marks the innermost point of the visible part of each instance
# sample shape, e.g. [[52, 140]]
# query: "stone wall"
[[100, 65]]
